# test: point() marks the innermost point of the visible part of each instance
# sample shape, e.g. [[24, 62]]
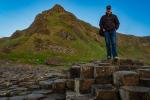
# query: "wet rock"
[[105, 92], [4, 98], [134, 93], [103, 74], [126, 78], [34, 96], [18, 90], [44, 92], [83, 86], [24, 93], [59, 86], [17, 98], [70, 84], [55, 96], [87, 70], [144, 73], [75, 72]]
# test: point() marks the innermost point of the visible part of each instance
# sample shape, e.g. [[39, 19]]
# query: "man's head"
[[108, 9]]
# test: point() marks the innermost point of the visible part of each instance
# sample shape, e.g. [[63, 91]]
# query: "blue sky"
[[133, 14]]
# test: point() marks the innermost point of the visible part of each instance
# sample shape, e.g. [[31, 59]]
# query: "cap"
[[108, 7]]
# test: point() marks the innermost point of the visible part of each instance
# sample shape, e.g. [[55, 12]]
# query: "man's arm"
[[117, 23], [101, 23]]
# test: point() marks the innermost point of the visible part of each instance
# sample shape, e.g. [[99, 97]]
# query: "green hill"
[[59, 36]]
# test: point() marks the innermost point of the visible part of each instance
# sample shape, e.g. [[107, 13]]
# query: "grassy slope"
[[86, 47], [24, 50]]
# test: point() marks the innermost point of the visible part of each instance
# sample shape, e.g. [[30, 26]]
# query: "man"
[[109, 23]]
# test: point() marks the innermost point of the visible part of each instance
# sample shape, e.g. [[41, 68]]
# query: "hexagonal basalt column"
[[134, 93], [75, 72], [103, 74], [70, 84], [59, 85], [144, 73], [87, 70], [138, 63], [127, 67], [126, 62], [105, 92], [126, 78], [83, 86], [145, 82]]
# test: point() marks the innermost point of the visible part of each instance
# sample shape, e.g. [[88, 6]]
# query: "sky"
[[134, 15]]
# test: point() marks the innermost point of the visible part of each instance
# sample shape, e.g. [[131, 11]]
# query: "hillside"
[[62, 38]]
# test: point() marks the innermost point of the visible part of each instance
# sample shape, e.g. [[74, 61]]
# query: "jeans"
[[111, 44]]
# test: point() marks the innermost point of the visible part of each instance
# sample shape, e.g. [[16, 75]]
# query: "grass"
[[85, 46]]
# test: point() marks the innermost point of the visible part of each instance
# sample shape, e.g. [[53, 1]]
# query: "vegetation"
[[58, 33]]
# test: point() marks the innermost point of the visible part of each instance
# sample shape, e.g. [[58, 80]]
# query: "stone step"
[[127, 67], [126, 78], [74, 71], [90, 70], [87, 70], [59, 86], [82, 71], [144, 73], [134, 93], [130, 62], [105, 92], [83, 86], [103, 74], [145, 82]]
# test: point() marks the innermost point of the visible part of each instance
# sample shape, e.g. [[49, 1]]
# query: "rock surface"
[[126, 78], [97, 80], [134, 93]]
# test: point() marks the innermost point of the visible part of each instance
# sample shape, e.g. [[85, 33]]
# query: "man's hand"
[[103, 30]]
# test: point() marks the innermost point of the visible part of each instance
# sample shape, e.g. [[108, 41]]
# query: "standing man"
[[109, 23]]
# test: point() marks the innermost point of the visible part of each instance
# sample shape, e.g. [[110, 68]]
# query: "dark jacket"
[[109, 22]]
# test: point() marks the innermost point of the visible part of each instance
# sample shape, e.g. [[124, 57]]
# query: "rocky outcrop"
[[97, 80], [112, 81]]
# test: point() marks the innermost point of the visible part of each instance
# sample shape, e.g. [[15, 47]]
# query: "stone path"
[[98, 80]]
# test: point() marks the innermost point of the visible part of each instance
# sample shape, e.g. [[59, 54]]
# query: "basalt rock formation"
[[125, 79]]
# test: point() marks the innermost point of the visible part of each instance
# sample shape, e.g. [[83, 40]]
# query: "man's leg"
[[108, 46], [113, 39]]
